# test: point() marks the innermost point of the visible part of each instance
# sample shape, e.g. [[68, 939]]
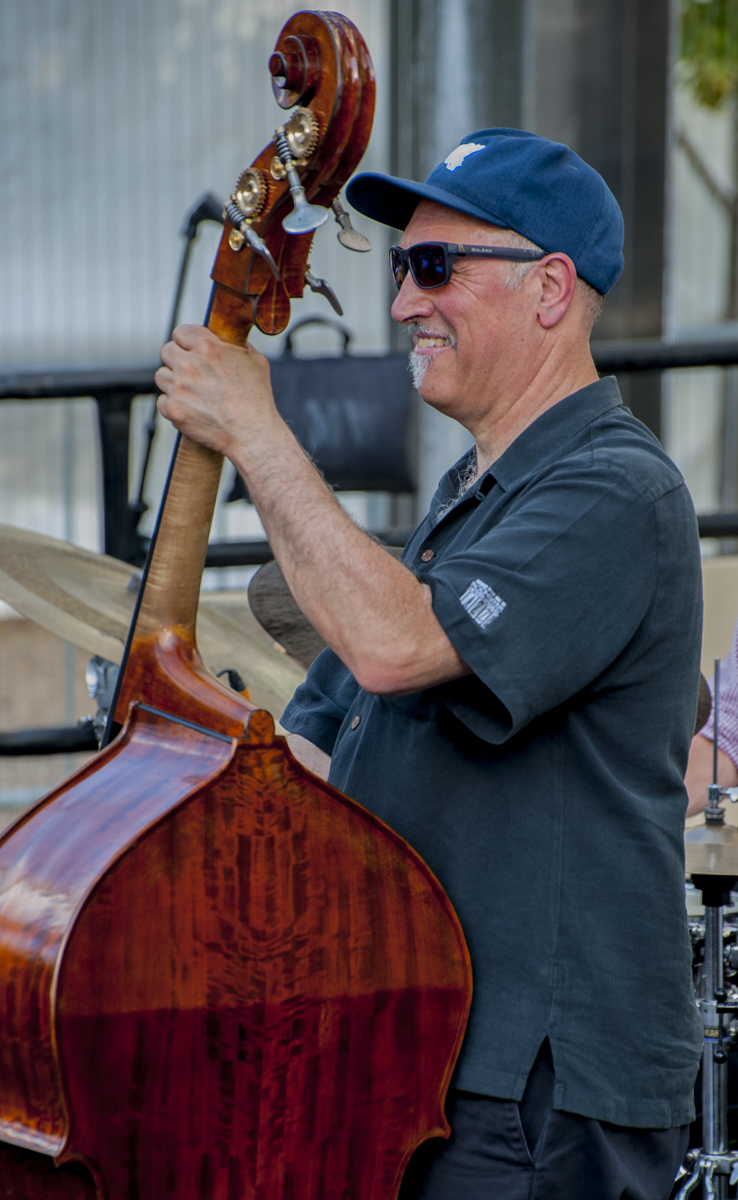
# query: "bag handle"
[[288, 351]]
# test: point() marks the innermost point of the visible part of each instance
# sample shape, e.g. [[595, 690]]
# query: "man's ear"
[[558, 279]]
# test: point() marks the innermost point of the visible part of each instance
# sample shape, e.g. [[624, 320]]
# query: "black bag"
[[352, 414]]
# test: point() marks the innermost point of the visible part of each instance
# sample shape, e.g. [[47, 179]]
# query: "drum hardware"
[[234, 680], [101, 676], [323, 289], [715, 854], [349, 237]]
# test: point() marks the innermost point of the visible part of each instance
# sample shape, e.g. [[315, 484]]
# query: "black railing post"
[[120, 520]]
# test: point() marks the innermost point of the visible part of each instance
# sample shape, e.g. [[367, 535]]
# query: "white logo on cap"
[[457, 156]]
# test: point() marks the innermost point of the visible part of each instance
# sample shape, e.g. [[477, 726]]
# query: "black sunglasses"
[[431, 263]]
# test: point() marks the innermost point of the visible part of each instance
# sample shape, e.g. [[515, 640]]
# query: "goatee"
[[418, 364]]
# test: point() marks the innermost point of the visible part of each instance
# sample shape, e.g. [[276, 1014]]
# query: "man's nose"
[[411, 302]]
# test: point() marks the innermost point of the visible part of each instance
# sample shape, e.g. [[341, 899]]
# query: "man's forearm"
[[369, 608]]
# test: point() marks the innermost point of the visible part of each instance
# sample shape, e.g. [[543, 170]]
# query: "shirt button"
[[427, 555], [356, 723]]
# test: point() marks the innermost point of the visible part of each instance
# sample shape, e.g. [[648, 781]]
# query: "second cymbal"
[[87, 599]]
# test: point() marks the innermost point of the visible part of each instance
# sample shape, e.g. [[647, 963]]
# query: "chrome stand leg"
[[715, 1165]]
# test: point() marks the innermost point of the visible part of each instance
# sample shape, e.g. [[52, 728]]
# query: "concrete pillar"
[[591, 73], [597, 78], [457, 67]]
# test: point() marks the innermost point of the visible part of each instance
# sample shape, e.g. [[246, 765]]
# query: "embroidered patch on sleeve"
[[481, 603]]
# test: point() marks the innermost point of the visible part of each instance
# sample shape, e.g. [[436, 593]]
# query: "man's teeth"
[[422, 341]]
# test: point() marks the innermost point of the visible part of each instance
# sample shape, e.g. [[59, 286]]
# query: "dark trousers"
[[501, 1150]]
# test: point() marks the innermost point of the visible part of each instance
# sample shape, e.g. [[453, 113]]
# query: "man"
[[516, 698]]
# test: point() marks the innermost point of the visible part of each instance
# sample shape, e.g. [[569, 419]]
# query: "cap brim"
[[393, 201]]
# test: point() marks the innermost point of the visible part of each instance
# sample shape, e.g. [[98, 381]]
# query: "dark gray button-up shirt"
[[546, 790]]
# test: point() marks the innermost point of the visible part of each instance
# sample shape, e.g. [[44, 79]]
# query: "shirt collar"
[[543, 439], [550, 432]]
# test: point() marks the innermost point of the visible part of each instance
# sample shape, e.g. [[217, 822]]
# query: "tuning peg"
[[349, 237], [259, 245], [323, 289], [243, 232], [305, 217]]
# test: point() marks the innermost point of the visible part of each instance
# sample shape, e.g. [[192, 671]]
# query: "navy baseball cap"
[[519, 181]]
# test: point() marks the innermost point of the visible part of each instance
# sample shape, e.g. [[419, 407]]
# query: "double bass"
[[222, 979]]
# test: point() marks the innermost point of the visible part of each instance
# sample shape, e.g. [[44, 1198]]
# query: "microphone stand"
[[207, 207]]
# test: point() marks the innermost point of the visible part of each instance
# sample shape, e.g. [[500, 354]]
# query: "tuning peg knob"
[[305, 217], [349, 237], [242, 232], [323, 289]]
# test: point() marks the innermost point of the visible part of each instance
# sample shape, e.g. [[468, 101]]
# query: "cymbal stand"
[[714, 1164]]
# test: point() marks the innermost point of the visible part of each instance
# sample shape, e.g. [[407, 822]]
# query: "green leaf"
[[709, 50]]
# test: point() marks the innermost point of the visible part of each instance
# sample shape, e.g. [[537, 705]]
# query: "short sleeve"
[[318, 707], [543, 602]]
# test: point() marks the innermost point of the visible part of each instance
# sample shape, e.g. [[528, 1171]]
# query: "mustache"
[[415, 328]]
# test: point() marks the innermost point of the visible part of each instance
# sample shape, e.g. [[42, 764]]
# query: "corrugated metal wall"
[[114, 116], [702, 173]]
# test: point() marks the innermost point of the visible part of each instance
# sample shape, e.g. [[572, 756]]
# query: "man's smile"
[[424, 342], [427, 340]]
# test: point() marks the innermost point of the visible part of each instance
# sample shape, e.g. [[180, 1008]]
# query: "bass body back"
[[259, 990]]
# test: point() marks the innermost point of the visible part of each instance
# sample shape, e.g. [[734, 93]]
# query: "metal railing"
[[115, 388]]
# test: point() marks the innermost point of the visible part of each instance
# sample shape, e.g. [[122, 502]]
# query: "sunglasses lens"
[[428, 265], [398, 268]]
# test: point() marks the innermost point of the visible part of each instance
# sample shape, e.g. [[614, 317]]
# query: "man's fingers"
[[174, 355], [190, 336], [163, 405], [168, 354], [163, 378]]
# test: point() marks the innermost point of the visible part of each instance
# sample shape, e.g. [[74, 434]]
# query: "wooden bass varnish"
[[221, 978]]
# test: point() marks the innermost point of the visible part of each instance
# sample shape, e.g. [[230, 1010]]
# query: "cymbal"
[[88, 599], [711, 850], [276, 610]]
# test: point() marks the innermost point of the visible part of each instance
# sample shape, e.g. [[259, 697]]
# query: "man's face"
[[475, 333]]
